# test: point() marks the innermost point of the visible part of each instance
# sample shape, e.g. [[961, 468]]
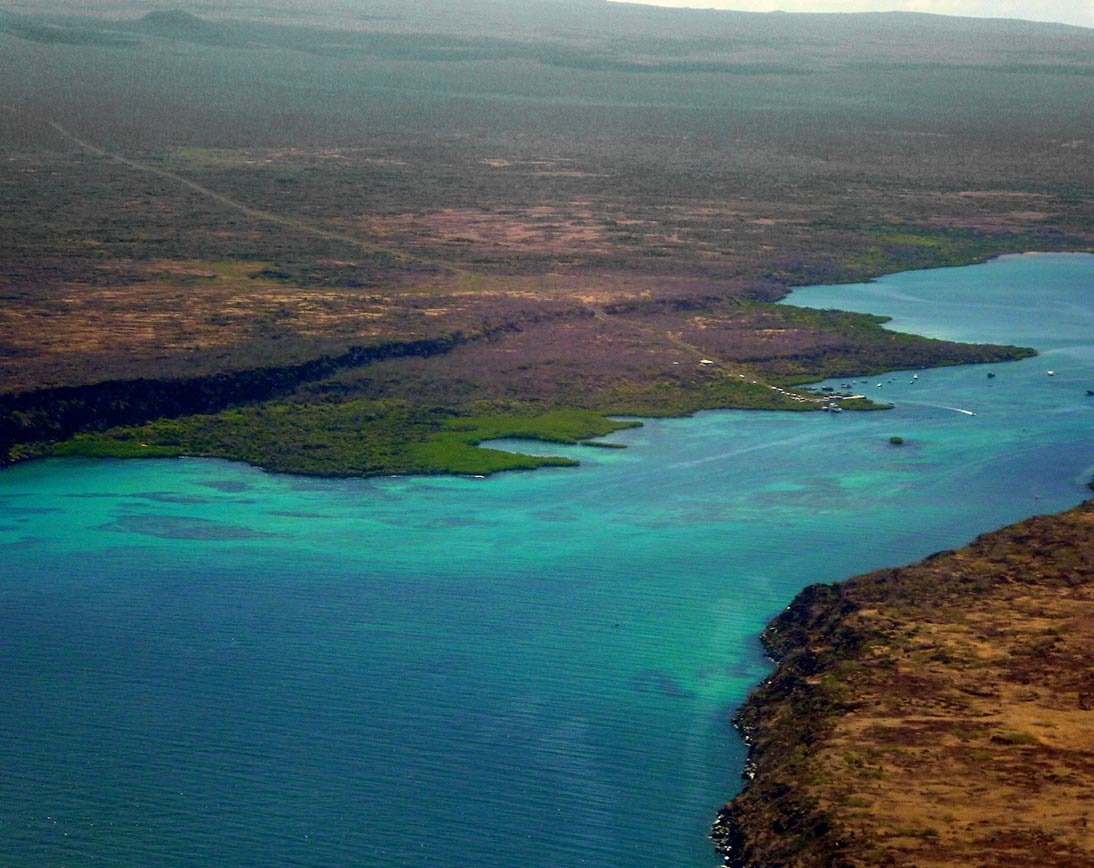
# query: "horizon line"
[[705, 6]]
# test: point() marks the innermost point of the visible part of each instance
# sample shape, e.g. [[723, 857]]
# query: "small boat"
[[1051, 373], [991, 375]]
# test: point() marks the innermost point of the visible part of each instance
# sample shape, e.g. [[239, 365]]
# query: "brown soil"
[[935, 715]]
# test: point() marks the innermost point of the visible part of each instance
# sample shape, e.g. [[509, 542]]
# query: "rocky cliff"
[[940, 714]]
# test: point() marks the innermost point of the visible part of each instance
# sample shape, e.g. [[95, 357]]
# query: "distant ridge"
[[184, 26], [54, 33], [699, 8]]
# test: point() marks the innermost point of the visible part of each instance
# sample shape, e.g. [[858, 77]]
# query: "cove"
[[209, 664]]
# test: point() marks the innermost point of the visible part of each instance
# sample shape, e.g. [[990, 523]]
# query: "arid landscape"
[[362, 240], [577, 207], [934, 715]]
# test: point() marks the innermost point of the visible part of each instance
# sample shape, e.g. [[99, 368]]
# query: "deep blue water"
[[205, 664]]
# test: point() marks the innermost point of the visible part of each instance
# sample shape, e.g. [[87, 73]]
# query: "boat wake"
[[938, 407]]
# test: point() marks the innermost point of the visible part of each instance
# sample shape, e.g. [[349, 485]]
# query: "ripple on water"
[[207, 663]]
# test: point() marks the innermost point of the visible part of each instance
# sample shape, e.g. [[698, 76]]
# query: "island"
[[936, 714]]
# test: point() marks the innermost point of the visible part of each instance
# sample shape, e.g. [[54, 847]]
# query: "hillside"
[[933, 715], [578, 201]]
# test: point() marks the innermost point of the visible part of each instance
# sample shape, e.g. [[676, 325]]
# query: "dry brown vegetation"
[[576, 205], [935, 715], [379, 221]]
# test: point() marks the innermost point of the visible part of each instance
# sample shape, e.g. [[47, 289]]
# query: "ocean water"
[[205, 664]]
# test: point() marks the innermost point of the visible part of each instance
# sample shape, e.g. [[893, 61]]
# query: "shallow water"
[[208, 664]]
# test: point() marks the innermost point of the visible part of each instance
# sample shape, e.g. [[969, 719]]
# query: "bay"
[[203, 663]]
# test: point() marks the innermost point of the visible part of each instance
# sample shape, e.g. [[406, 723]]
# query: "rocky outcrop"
[[936, 714], [43, 416]]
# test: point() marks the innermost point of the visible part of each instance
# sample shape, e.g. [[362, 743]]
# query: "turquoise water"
[[207, 664]]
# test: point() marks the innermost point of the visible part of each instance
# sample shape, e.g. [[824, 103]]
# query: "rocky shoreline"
[[938, 714]]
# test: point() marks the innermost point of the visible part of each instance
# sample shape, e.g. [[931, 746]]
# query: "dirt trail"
[[368, 248], [701, 356], [255, 213]]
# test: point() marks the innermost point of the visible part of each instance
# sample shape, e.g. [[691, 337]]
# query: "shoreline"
[[912, 710], [226, 416]]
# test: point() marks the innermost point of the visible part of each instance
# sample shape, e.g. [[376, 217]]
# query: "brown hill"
[[934, 715]]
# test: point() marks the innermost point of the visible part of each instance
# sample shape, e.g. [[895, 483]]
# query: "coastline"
[[340, 246], [282, 420], [934, 714]]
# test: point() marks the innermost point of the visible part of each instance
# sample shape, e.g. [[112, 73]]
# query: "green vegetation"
[[673, 398], [355, 244], [233, 232], [318, 417], [865, 348], [357, 438], [891, 247]]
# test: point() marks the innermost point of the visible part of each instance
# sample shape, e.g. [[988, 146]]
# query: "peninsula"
[[518, 220], [350, 242], [933, 715]]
